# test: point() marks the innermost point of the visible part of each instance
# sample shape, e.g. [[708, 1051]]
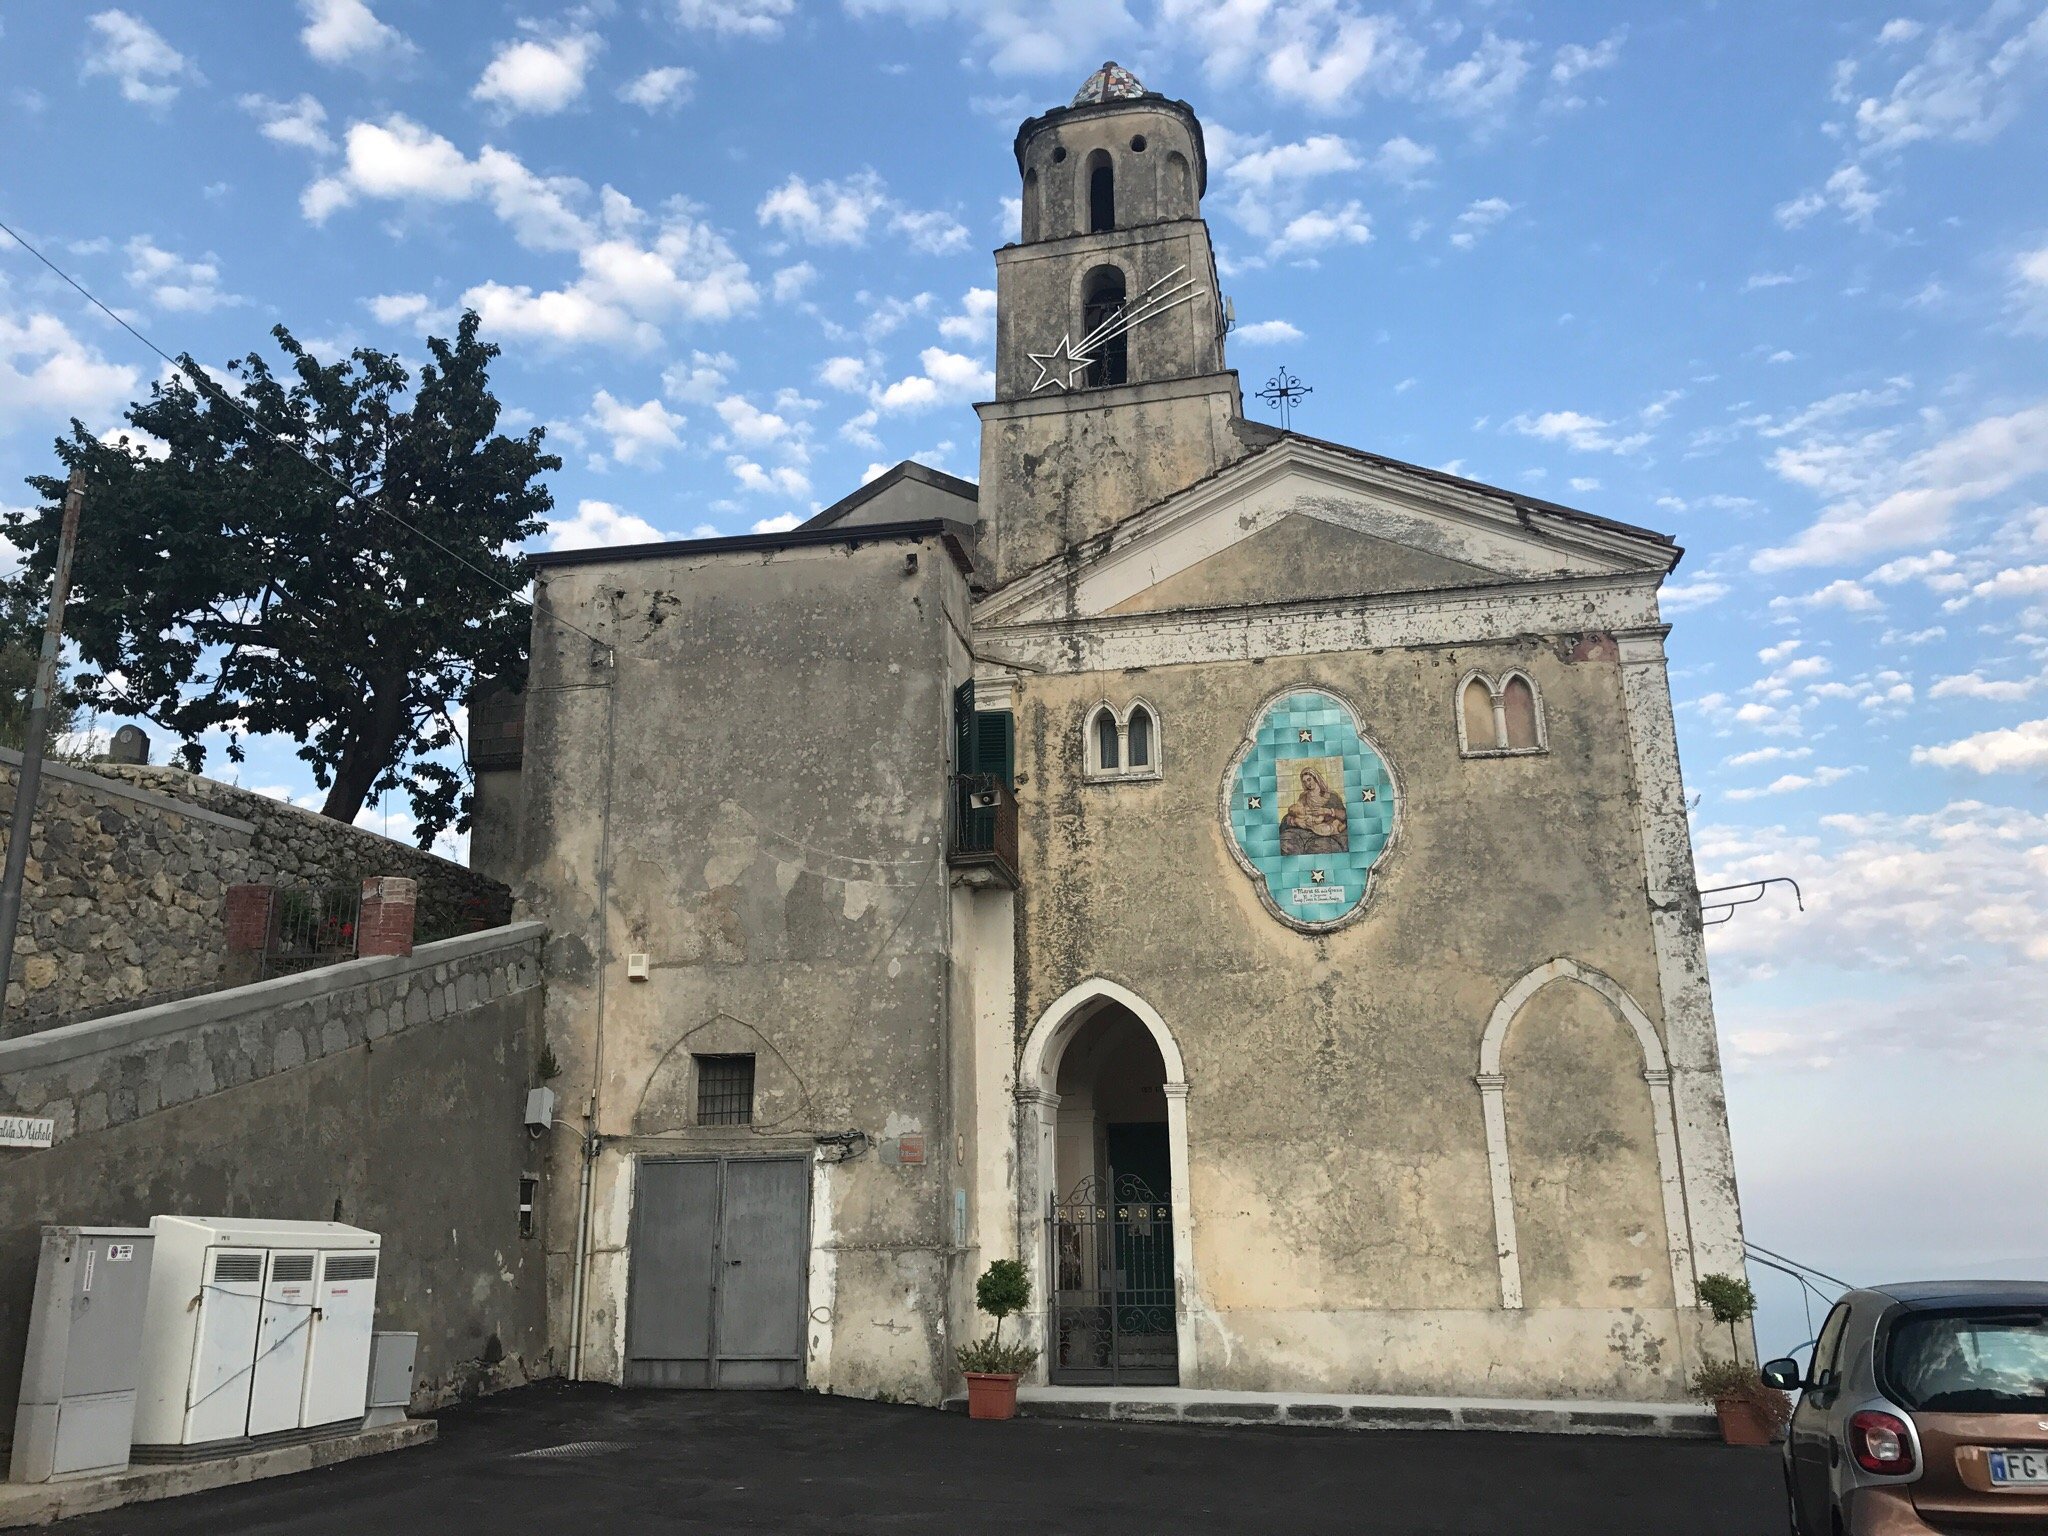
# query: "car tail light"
[[1880, 1442]]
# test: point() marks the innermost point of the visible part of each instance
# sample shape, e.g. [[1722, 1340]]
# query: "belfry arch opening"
[[1112, 1316], [1103, 336], [1100, 176]]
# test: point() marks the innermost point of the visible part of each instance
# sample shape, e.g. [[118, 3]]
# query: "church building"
[[1244, 877]]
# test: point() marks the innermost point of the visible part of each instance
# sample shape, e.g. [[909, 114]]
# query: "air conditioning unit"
[[254, 1329]]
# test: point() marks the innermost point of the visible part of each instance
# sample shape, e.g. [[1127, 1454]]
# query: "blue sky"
[[1774, 279]]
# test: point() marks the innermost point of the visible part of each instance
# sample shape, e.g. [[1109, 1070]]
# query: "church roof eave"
[[1625, 549]]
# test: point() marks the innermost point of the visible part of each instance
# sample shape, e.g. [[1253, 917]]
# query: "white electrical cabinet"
[[253, 1329]]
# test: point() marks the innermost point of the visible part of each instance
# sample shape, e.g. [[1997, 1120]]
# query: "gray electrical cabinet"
[[78, 1378], [391, 1372]]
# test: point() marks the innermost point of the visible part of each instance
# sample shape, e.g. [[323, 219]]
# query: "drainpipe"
[[592, 1142]]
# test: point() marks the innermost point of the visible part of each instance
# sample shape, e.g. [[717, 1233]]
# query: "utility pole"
[[31, 777]]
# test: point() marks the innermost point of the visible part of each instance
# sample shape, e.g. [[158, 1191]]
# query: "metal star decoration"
[[1061, 365]]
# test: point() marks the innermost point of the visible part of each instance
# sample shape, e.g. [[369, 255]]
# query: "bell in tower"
[[1111, 389]]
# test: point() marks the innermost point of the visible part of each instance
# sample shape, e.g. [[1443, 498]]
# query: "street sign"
[[27, 1131]]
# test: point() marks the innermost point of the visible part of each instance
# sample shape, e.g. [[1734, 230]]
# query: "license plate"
[[2012, 1468]]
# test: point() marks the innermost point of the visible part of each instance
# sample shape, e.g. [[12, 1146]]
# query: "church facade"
[[1241, 876]]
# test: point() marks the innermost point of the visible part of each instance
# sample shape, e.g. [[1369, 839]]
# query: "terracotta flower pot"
[[991, 1397], [1743, 1422]]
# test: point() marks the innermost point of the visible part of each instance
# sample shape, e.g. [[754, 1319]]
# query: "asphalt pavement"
[[559, 1460]]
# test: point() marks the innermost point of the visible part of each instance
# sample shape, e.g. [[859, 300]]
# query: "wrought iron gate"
[[1113, 1294]]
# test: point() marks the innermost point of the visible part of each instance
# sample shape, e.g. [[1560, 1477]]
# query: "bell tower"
[[1111, 389]]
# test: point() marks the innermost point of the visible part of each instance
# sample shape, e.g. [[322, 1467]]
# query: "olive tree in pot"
[[1751, 1412], [991, 1366]]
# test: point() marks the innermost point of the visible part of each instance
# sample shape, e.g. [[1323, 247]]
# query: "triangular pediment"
[[1302, 520]]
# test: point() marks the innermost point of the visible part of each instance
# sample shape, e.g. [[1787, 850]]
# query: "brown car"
[[1925, 1410]]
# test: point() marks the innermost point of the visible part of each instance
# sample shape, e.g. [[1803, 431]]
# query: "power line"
[[1782, 1259], [190, 367]]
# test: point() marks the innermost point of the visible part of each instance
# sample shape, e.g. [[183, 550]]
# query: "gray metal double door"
[[717, 1282]]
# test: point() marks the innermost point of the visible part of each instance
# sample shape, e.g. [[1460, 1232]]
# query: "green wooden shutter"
[[995, 744], [963, 728]]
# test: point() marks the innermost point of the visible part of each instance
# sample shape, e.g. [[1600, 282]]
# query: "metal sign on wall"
[[1309, 806], [27, 1131]]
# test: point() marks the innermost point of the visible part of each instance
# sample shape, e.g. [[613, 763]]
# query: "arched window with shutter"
[[1138, 737], [1105, 742]]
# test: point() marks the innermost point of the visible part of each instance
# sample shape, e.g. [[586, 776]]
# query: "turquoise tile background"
[[1368, 801]]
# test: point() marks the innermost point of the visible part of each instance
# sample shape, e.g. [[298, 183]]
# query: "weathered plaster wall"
[[772, 748], [1055, 472], [384, 1092], [1305, 557], [1342, 1227], [124, 900]]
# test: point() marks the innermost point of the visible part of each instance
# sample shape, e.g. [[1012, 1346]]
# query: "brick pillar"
[[384, 927], [249, 914]]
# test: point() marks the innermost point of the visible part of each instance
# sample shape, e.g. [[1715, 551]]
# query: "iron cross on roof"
[[1282, 392]]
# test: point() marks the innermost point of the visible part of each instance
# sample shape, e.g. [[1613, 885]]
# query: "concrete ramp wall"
[[387, 1093]]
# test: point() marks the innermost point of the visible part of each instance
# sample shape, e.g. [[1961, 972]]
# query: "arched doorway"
[[1105, 1219]]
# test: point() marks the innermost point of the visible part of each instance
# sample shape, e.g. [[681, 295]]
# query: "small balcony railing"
[[984, 834]]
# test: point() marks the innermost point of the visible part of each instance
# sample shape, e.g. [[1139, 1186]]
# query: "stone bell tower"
[[1111, 391]]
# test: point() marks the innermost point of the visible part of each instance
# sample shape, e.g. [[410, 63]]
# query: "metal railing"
[[984, 831], [311, 926]]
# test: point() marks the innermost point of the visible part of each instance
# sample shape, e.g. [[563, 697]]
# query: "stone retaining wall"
[[125, 895], [385, 1092]]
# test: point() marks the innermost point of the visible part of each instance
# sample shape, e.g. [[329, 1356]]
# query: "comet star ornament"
[[1066, 362]]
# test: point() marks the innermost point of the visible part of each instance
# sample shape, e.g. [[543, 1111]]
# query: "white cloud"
[[749, 423], [1323, 154], [1576, 59], [300, 123], [640, 434], [538, 76], [599, 525], [413, 309], [784, 481], [349, 32], [2017, 581], [700, 379], [948, 378], [1788, 783], [631, 282], [1974, 685], [1694, 592], [1849, 596], [975, 325], [1577, 431], [789, 283], [1849, 191], [1886, 504], [1968, 85], [2020, 749], [1483, 85], [1323, 227], [1767, 755], [734, 18], [825, 212], [659, 89], [1477, 219], [1403, 161], [1936, 568], [129, 50], [931, 231], [1264, 333], [171, 282], [847, 373], [48, 373]]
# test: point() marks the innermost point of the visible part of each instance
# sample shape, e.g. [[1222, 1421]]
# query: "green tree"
[[224, 583], [21, 647]]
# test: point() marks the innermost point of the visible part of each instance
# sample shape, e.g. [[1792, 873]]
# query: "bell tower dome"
[[1111, 389]]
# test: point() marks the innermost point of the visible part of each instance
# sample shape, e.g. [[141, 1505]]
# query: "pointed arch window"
[[1122, 744], [1500, 718]]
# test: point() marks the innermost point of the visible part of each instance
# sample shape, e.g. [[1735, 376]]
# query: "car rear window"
[[1970, 1362]]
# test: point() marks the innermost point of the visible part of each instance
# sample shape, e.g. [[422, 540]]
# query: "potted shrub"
[[1751, 1412], [991, 1366]]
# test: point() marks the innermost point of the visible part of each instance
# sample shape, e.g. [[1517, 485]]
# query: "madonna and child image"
[[1315, 820]]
